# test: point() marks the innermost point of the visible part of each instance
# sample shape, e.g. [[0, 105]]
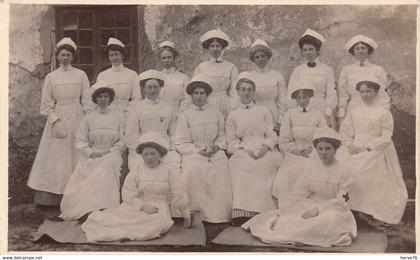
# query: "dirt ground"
[[24, 218]]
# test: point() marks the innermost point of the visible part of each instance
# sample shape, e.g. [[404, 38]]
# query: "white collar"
[[152, 102], [65, 68], [247, 106], [118, 68], [366, 62], [103, 111], [197, 108], [169, 71]]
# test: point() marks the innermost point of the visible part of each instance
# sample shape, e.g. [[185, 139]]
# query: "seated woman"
[[253, 165], [150, 115], [200, 138], [95, 184], [378, 187], [316, 211], [148, 193], [295, 139]]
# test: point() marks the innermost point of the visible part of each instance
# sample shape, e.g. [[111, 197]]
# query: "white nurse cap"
[[150, 74], [314, 34], [303, 84], [361, 38], [214, 34], [115, 41], [167, 44], [326, 132], [153, 137], [68, 41], [260, 42]]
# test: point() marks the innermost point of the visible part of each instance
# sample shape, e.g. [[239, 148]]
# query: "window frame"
[[96, 33]]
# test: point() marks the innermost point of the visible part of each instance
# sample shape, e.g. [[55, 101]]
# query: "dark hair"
[[143, 82], [98, 91], [307, 39], [257, 48], [206, 43], [370, 84], [115, 47], [307, 92], [334, 142], [245, 80], [370, 48], [161, 150], [65, 47], [168, 48], [198, 84]]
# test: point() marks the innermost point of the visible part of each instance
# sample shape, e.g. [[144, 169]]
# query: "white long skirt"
[[378, 188], [207, 183], [57, 157], [127, 222], [289, 173], [334, 226], [93, 185], [252, 181]]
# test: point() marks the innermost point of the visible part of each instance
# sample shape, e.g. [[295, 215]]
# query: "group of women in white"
[[238, 147]]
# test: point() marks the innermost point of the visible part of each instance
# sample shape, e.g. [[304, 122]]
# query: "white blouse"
[[198, 127], [251, 127], [321, 77], [222, 76], [350, 75], [65, 86], [149, 116], [125, 84], [270, 91], [101, 131], [298, 127], [368, 126], [175, 85]]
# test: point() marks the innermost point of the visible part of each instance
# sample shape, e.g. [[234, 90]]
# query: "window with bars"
[[90, 27]]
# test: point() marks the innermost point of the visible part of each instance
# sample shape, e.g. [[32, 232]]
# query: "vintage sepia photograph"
[[212, 128]]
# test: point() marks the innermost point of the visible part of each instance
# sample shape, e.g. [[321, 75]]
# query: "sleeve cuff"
[[52, 117]]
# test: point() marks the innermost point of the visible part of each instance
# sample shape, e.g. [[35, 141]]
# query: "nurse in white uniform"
[[123, 80], [271, 90], [65, 99], [318, 74], [175, 81], [361, 47], [201, 140], [220, 73]]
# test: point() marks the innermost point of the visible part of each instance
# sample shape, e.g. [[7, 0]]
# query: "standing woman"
[[361, 47], [378, 187], [65, 97], [271, 89], [253, 165], [150, 115], [200, 138], [220, 73], [95, 182], [175, 81], [123, 80], [318, 74]]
